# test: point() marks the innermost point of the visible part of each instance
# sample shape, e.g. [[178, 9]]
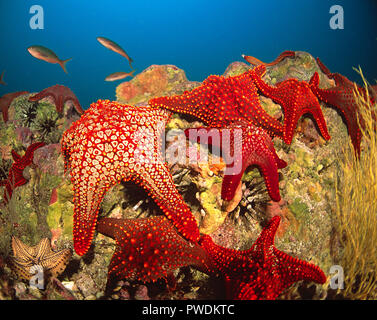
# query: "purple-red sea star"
[[6, 100], [261, 272], [341, 97], [246, 145], [112, 142], [15, 176], [220, 100], [296, 98], [60, 94]]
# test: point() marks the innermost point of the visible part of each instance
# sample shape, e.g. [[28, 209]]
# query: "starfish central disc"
[[112, 142]]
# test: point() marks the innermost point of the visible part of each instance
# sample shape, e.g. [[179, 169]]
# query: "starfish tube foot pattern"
[[296, 98], [261, 272], [243, 145], [112, 142], [149, 248], [220, 100]]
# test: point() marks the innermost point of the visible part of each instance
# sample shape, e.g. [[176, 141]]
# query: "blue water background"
[[201, 37]]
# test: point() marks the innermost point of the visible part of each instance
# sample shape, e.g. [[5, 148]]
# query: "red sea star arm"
[[6, 100], [203, 102], [76, 103], [255, 147], [324, 69], [16, 157], [60, 94], [251, 109], [44, 94], [149, 248], [27, 159], [160, 186], [287, 269]]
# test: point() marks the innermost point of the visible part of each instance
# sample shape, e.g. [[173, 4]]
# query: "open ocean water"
[[200, 36]]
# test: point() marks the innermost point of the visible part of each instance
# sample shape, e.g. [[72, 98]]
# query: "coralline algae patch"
[[154, 81]]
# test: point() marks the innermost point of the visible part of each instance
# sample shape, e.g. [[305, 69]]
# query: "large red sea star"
[[220, 101], [113, 142], [150, 248], [261, 272], [296, 98]]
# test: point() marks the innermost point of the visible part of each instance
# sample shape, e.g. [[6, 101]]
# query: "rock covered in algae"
[[155, 81], [44, 206]]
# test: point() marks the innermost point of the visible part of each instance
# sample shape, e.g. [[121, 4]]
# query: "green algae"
[[299, 209]]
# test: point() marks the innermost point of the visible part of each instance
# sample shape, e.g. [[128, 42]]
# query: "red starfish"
[[113, 142], [6, 100], [60, 94], [341, 97], [256, 62], [148, 249], [220, 101], [252, 145], [15, 177], [296, 98], [262, 272]]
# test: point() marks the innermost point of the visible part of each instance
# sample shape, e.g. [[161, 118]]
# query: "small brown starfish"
[[25, 257], [6, 100], [60, 94]]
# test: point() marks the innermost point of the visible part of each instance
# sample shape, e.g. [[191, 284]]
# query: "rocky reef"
[[44, 206]]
